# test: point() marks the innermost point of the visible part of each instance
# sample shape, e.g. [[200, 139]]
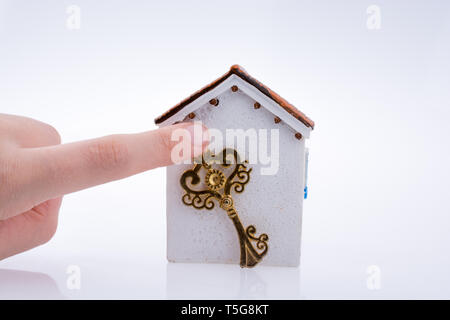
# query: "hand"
[[36, 170]]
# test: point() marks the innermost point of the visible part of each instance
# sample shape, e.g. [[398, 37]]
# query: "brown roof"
[[241, 73]]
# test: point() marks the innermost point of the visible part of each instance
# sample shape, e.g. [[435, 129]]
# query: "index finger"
[[50, 172]]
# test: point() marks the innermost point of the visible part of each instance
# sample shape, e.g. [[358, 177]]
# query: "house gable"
[[236, 77]]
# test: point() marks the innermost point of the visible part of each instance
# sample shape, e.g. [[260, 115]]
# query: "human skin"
[[36, 170]]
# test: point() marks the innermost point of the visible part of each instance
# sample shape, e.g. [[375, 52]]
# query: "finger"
[[57, 170], [26, 132], [30, 229]]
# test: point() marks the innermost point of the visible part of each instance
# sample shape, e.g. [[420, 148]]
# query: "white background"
[[378, 178]]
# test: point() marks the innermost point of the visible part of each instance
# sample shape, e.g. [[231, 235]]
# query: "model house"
[[249, 212]]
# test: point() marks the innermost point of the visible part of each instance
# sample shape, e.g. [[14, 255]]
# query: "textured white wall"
[[272, 203]]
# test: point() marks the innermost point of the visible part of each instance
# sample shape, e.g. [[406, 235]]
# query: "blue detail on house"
[[305, 190]]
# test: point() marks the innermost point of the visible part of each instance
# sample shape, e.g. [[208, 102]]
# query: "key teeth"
[[250, 260], [251, 256]]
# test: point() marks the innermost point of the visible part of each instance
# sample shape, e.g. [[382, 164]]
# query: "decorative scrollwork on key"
[[216, 180]]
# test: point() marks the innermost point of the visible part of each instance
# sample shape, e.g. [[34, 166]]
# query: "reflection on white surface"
[[15, 284], [219, 281]]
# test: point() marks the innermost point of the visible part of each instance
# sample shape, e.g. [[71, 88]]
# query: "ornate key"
[[219, 187]]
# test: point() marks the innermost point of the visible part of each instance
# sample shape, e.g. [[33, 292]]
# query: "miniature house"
[[266, 218]]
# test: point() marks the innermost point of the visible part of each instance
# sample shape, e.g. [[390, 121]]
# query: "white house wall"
[[272, 203]]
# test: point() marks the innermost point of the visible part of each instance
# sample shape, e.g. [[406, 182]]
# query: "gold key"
[[219, 187]]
